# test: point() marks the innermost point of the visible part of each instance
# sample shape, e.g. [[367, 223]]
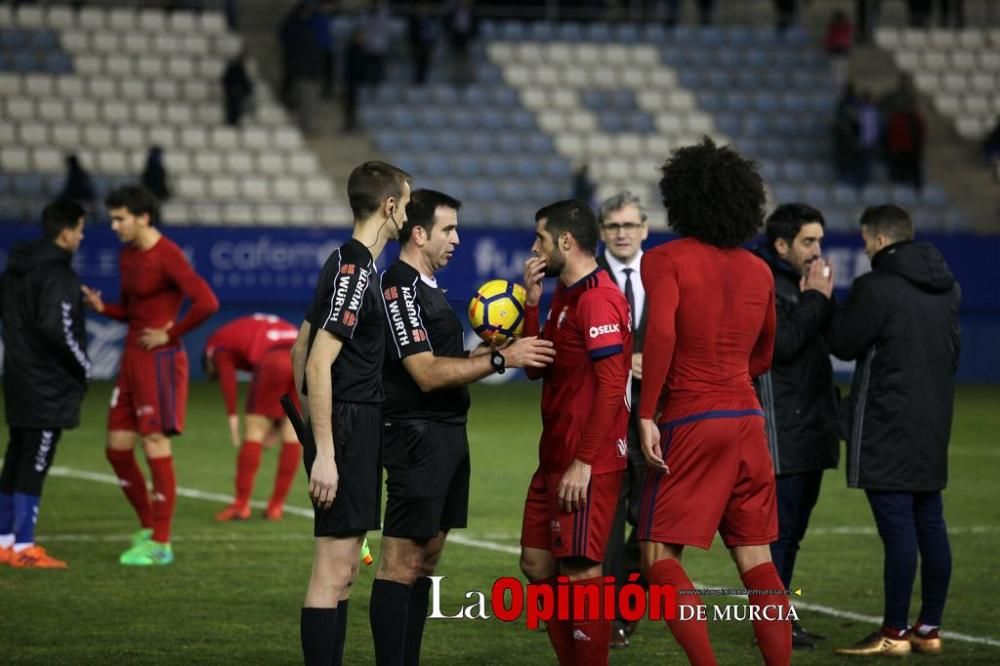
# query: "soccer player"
[[260, 344], [623, 229], [46, 370], [573, 494], [149, 401], [337, 361], [710, 329], [426, 455], [797, 394], [900, 323]]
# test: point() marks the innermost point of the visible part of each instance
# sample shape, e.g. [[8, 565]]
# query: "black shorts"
[[427, 478], [357, 447]]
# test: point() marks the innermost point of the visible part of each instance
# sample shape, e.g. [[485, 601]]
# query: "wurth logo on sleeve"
[[604, 329], [349, 293]]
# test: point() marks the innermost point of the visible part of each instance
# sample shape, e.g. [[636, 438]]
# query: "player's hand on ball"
[[649, 437], [529, 353], [534, 271], [573, 487], [323, 481]]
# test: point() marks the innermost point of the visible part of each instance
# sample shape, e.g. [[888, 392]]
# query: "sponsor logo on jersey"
[[604, 329], [348, 269], [562, 316], [390, 294], [350, 319], [418, 335], [281, 334], [344, 292]]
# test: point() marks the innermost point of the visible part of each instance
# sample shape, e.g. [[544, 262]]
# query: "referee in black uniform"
[[426, 454], [340, 349]]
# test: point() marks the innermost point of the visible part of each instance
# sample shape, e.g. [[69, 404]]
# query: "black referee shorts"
[[357, 446], [427, 468]]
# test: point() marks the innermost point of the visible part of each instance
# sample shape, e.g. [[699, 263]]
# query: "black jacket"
[[45, 341], [900, 322], [798, 394], [638, 332]]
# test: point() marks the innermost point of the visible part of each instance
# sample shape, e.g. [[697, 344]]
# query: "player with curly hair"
[[710, 328]]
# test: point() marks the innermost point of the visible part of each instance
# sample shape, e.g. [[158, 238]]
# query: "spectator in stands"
[[845, 134], [378, 31], [905, 138], [583, 186], [706, 12], [866, 17], [237, 90], [869, 134], [837, 42], [785, 12], [951, 13], [303, 64], [462, 27], [422, 34], [919, 13], [355, 70], [154, 176], [321, 21], [991, 148], [79, 186]]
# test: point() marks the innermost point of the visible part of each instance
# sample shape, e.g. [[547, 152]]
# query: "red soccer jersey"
[[240, 344], [710, 327], [590, 326], [154, 283]]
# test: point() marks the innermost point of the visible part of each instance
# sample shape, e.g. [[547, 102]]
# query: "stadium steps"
[[338, 153], [953, 163]]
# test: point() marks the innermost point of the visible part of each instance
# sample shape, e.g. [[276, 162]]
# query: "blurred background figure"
[[154, 175], [837, 42], [355, 70], [377, 32], [422, 35], [237, 90], [462, 27], [79, 186], [583, 187]]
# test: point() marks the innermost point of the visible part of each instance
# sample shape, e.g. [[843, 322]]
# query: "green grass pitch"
[[233, 595]]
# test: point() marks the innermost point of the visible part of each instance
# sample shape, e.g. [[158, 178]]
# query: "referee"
[[426, 454], [339, 349]]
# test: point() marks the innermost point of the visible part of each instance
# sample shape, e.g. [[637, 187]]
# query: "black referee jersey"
[[420, 319], [347, 304]]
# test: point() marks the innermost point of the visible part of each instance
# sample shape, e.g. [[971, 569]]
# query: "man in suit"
[[623, 229]]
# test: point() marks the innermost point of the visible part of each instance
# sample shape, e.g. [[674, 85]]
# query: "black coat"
[[46, 368], [900, 322], [798, 394]]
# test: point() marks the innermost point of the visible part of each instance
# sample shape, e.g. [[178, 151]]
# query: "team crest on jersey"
[[562, 316]]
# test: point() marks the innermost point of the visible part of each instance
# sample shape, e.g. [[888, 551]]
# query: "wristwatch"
[[498, 362]]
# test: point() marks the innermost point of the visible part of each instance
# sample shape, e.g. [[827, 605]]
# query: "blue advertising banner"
[[275, 271]]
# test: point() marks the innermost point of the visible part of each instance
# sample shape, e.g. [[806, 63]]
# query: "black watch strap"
[[498, 362]]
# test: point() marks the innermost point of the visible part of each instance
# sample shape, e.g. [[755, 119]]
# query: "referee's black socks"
[[340, 634], [387, 613], [317, 627], [415, 619]]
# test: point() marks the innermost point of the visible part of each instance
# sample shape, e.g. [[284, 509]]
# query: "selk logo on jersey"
[[604, 329], [281, 334]]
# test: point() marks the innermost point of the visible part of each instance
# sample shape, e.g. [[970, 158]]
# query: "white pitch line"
[[221, 537], [191, 493]]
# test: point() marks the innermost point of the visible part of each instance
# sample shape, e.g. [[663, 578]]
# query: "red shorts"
[[721, 479], [583, 533], [151, 393], [272, 378]]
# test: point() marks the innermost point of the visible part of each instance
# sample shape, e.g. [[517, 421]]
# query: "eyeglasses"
[[615, 227]]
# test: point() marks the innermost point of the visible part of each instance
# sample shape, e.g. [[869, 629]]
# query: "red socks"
[[560, 631], [692, 635], [590, 637], [164, 497], [774, 637], [288, 465], [246, 469], [132, 483]]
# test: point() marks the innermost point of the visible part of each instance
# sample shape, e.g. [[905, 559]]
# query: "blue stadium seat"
[[28, 184], [466, 165], [875, 195], [24, 62], [597, 32], [5, 184], [570, 31], [522, 120], [729, 58], [482, 190], [641, 122], [388, 141], [436, 166], [710, 36], [712, 101], [539, 144], [443, 96], [653, 32], [527, 168], [489, 29], [503, 97], [718, 79], [479, 143], [416, 142], [512, 191], [513, 30], [13, 38], [903, 195], [933, 195], [448, 142], [43, 40], [626, 33], [508, 143], [497, 167], [58, 63], [492, 120], [541, 31]]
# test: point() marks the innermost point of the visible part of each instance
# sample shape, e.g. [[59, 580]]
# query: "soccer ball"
[[496, 312]]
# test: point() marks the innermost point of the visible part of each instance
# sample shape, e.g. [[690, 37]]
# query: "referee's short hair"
[[58, 215], [420, 212], [137, 200], [888, 220], [574, 216], [370, 184]]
